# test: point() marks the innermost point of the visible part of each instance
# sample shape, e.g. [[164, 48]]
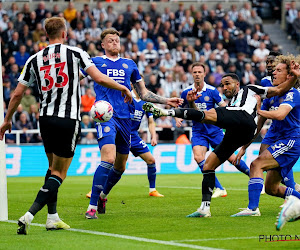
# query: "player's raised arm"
[[149, 96], [107, 82]]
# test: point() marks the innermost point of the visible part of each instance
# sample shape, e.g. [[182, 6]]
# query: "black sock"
[[49, 189], [52, 204], [208, 184], [48, 174], [190, 114]]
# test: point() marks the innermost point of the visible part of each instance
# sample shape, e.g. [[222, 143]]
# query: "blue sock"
[[288, 180], [217, 183], [151, 175], [289, 191], [112, 179], [243, 167], [255, 186], [99, 180]]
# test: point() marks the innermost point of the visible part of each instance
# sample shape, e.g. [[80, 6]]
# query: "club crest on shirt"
[[271, 102], [206, 98], [125, 65], [106, 129], [103, 65]]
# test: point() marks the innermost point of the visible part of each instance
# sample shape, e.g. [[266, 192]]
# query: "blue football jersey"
[[121, 70], [266, 81], [210, 97], [137, 114], [290, 126]]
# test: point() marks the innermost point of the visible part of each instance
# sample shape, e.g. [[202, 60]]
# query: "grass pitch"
[[134, 220]]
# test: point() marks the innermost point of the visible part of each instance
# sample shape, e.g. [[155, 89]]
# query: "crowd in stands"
[[163, 44]]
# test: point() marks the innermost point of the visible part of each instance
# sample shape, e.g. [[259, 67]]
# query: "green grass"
[[131, 212]]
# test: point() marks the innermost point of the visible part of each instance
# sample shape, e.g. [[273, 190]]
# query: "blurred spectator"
[[111, 14], [248, 73], [41, 11], [254, 18], [233, 13], [241, 44], [14, 75], [85, 123], [136, 32], [162, 50], [43, 42], [70, 12], [120, 25], [8, 32], [246, 11], [89, 139], [28, 100], [26, 11], [211, 62], [296, 27], [87, 101], [261, 52], [6, 90], [142, 63], [153, 12], [94, 31], [127, 14], [232, 69], [168, 85], [13, 11], [204, 10], [25, 36], [36, 34], [55, 11], [212, 17], [184, 62], [187, 24], [225, 62], [206, 51], [21, 56], [291, 15], [79, 31], [154, 85], [219, 51], [240, 62], [98, 10], [87, 40], [92, 50], [142, 42], [140, 12], [151, 55], [229, 43], [192, 54], [232, 29], [218, 75], [241, 23], [261, 72], [87, 15], [34, 115], [32, 21], [4, 22], [24, 124], [219, 11]]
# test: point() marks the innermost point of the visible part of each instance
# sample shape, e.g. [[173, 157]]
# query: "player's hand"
[[295, 68], [128, 97], [153, 142], [178, 122], [239, 156], [192, 95], [257, 97], [5, 126], [174, 101]]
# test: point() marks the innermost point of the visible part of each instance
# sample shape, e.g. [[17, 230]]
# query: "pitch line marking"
[[127, 237], [212, 239], [178, 187]]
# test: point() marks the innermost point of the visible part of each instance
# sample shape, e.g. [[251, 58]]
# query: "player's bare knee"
[[150, 161], [198, 158], [271, 190]]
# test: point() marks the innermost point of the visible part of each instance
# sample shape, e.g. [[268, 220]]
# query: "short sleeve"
[[265, 105], [218, 97], [27, 76], [85, 60], [135, 75]]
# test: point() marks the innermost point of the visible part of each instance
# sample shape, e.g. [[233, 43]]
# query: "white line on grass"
[[179, 187], [217, 239], [127, 237]]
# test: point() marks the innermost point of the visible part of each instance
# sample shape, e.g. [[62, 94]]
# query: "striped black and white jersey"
[[56, 70], [245, 100]]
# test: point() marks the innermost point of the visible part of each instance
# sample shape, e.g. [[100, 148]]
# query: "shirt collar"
[[203, 89]]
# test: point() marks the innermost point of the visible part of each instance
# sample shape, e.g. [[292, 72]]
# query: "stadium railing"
[[18, 133]]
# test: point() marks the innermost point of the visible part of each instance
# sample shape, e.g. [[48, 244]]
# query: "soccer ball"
[[101, 111]]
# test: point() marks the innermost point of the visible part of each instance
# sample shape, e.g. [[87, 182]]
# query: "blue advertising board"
[[170, 159]]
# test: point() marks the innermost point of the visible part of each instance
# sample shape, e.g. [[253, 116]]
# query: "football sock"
[[52, 203], [190, 114], [208, 184], [205, 206], [151, 172], [113, 177], [288, 180], [243, 167], [255, 186], [217, 183], [48, 174], [29, 216], [289, 191], [49, 189], [99, 180]]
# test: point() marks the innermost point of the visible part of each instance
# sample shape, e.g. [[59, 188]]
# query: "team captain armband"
[[261, 91]]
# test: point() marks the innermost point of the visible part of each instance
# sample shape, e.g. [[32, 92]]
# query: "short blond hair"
[[110, 31], [287, 59], [54, 26]]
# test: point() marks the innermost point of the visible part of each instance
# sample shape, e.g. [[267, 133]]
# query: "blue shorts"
[[199, 139], [138, 146], [269, 138], [115, 131], [286, 152]]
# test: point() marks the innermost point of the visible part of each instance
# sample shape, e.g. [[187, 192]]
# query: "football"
[[101, 111]]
